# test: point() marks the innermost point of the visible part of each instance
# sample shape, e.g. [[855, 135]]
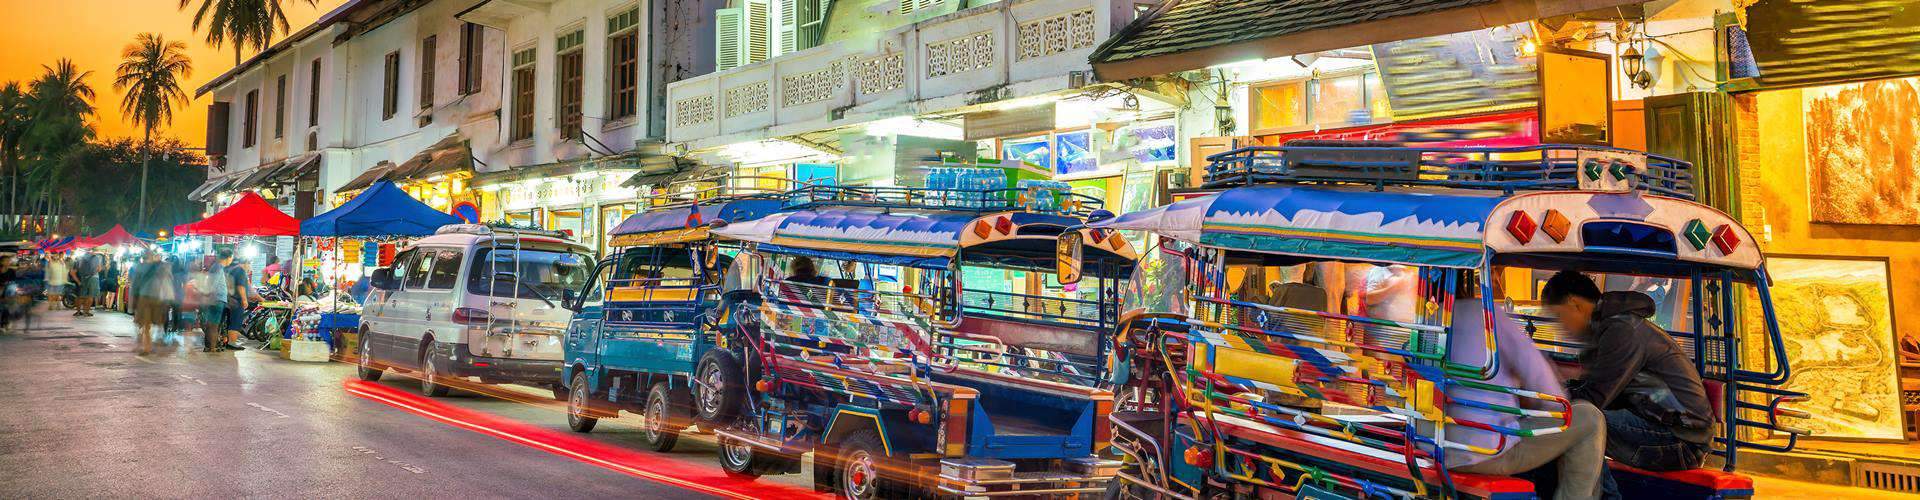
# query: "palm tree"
[[240, 22], [150, 71], [13, 125], [58, 107]]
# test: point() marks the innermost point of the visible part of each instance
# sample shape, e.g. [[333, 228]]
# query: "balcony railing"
[[958, 55]]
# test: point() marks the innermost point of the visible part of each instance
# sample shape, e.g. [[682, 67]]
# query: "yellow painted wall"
[[1774, 182]]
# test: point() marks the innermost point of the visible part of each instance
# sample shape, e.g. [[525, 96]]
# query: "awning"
[[624, 162], [377, 173], [381, 210], [213, 185], [449, 155], [1184, 35], [251, 216]]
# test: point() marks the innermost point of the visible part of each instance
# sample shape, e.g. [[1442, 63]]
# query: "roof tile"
[[1199, 24]]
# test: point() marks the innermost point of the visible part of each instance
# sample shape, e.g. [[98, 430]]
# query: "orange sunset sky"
[[92, 33]]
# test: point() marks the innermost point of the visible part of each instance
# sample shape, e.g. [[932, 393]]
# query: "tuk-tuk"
[[642, 320], [1320, 383], [918, 342]]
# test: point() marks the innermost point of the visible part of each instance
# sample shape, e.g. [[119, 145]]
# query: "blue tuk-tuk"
[[642, 321], [918, 342], [1281, 366]]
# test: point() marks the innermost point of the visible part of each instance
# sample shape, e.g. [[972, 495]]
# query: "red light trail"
[[705, 478]]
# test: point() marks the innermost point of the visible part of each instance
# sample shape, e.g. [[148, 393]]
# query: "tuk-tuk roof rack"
[[1056, 200], [690, 192], [1513, 169]]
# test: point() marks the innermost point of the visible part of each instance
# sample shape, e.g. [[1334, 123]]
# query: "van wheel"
[[430, 385], [580, 414], [746, 461], [859, 467], [368, 371], [664, 420], [718, 389]]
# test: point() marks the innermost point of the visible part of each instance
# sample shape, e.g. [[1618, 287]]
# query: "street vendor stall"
[[379, 212]]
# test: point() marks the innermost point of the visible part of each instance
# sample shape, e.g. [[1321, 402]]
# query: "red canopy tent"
[[116, 236], [251, 216]]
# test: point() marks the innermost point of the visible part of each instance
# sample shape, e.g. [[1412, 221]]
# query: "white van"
[[473, 302]]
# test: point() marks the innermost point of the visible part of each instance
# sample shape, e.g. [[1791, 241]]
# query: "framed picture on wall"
[[1860, 162], [1836, 320], [1073, 153], [1033, 150], [1576, 97]]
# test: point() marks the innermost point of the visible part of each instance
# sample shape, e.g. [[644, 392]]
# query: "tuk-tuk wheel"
[[579, 405], [718, 389], [860, 461], [663, 423]]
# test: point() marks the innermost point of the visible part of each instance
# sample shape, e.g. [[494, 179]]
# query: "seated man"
[[801, 270], [1575, 454], [1658, 415]]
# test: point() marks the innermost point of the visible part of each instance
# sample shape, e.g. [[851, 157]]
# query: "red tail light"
[[471, 316]]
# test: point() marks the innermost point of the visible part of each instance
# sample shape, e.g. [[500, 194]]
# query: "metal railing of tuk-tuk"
[[1506, 169], [883, 333], [1395, 368], [662, 303], [696, 191], [1714, 346], [1041, 197], [1095, 317]]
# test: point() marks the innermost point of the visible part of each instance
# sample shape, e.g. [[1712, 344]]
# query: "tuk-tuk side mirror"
[[1067, 256]]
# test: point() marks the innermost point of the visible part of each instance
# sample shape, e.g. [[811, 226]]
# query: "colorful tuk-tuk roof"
[[922, 238], [680, 224], [1447, 228]]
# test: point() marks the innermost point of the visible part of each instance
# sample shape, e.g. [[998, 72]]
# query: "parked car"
[[473, 302]]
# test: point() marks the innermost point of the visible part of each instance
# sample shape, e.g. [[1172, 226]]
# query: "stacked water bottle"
[[1045, 196], [966, 187]]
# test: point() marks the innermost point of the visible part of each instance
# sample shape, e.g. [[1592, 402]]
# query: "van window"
[[401, 266], [417, 266], [527, 273], [445, 271]]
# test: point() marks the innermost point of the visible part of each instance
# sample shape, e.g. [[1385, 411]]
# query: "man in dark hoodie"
[[1658, 415]]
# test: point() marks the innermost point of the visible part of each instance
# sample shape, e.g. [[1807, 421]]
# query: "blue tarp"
[[733, 211], [381, 210]]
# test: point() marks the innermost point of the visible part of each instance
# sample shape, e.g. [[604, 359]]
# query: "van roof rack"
[[1509, 169], [497, 228], [1043, 196]]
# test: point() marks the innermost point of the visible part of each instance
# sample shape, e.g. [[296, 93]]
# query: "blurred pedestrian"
[[177, 314], [210, 289], [8, 274], [152, 292], [240, 297], [86, 282], [57, 273], [110, 284]]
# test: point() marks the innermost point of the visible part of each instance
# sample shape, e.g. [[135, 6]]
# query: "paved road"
[[82, 417]]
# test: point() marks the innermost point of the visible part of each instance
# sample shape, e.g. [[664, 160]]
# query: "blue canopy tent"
[[382, 210]]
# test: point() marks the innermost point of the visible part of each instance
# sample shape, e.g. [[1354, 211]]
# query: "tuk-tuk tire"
[[581, 414], [718, 367], [865, 444], [756, 463], [662, 403]]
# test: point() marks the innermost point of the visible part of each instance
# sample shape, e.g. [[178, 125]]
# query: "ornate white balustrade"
[[967, 58]]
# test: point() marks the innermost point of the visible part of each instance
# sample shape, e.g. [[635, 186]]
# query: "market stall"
[[250, 217], [382, 211]]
